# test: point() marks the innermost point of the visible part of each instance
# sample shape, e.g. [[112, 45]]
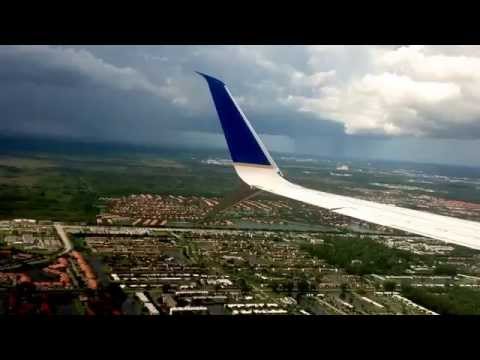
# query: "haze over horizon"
[[403, 103]]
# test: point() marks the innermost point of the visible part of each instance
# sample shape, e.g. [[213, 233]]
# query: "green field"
[[362, 256], [446, 301], [67, 187]]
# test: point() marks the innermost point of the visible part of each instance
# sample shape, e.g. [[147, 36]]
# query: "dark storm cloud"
[[74, 92], [68, 67], [295, 96]]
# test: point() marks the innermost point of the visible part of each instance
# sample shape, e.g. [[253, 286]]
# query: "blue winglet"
[[244, 144]]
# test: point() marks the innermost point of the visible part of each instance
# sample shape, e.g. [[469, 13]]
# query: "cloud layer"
[[327, 99]]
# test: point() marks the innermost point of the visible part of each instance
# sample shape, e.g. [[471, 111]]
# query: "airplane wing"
[[254, 165]]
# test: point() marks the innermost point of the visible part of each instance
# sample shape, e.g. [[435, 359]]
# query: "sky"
[[414, 103]]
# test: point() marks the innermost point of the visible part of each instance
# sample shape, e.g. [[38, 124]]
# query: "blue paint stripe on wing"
[[242, 143]]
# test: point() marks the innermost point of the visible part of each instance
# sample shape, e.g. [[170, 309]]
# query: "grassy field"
[[67, 187], [446, 301]]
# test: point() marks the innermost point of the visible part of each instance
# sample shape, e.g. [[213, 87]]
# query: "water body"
[[97, 266], [131, 306]]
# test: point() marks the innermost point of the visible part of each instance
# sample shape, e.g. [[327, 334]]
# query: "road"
[[130, 230], [66, 241]]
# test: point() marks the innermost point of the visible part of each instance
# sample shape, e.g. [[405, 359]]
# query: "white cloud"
[[314, 81], [414, 61], [412, 90]]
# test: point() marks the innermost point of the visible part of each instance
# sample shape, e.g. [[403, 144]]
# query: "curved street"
[[64, 237]]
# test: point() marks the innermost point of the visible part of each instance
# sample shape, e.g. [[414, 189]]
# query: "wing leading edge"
[[255, 167]]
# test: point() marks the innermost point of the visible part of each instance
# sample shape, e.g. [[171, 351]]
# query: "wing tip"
[[210, 78]]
